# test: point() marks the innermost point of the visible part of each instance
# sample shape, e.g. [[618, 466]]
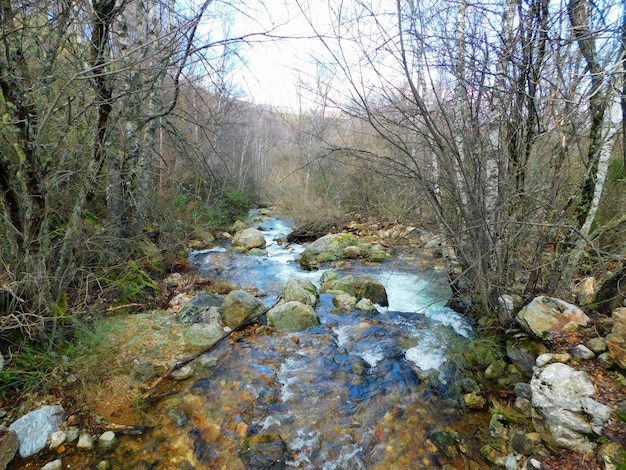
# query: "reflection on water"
[[358, 391]]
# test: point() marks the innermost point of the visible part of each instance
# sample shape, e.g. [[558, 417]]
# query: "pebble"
[[54, 465], [523, 390], [597, 345], [183, 373], [544, 359], [582, 352], [57, 438], [549, 358], [102, 465], [606, 360], [524, 406], [72, 433], [85, 441], [73, 420], [107, 440]]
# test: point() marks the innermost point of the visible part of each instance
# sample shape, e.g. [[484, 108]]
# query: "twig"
[[119, 307]]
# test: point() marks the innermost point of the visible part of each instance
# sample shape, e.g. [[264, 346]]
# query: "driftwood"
[[248, 321]]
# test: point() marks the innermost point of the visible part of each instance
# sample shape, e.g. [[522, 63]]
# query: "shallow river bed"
[[359, 391]]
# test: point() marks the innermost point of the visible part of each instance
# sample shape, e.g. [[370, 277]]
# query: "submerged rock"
[[33, 429], [142, 372], [107, 440], [54, 465], [265, 452], [202, 334], [292, 316]]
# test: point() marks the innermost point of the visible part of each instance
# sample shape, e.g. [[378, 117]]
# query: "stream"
[[359, 391]]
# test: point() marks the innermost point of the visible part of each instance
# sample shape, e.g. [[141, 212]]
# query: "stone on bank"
[[563, 408], [33, 429]]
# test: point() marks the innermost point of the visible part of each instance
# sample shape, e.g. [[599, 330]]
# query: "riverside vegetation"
[[554, 361], [496, 132]]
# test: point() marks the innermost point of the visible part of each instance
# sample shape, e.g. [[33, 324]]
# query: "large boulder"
[[330, 247], [616, 341], [300, 290], [550, 315], [292, 316], [201, 308], [563, 410], [238, 305], [33, 429], [361, 287], [249, 238], [340, 246]]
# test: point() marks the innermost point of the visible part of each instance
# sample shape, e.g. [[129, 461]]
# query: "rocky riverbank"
[[556, 396]]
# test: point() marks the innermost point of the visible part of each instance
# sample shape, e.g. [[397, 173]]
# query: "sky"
[[272, 65]]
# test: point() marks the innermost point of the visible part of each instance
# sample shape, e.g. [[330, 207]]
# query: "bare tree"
[[90, 94], [489, 110]]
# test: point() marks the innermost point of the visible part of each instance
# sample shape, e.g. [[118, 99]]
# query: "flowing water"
[[360, 391]]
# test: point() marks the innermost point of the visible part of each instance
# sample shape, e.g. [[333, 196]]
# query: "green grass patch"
[[31, 368], [471, 355]]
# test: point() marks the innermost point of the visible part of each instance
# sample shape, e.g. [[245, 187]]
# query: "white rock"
[[544, 359], [563, 407], [34, 428], [85, 441], [107, 440], [54, 465], [548, 314], [72, 433], [598, 413], [57, 438]]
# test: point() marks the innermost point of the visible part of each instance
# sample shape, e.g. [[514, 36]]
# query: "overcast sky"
[[274, 64]]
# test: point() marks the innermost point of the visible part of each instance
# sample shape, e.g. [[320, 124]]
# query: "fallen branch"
[[248, 321], [120, 307]]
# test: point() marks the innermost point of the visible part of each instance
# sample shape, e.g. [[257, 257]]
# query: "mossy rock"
[[292, 316], [361, 287], [265, 451], [300, 290]]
